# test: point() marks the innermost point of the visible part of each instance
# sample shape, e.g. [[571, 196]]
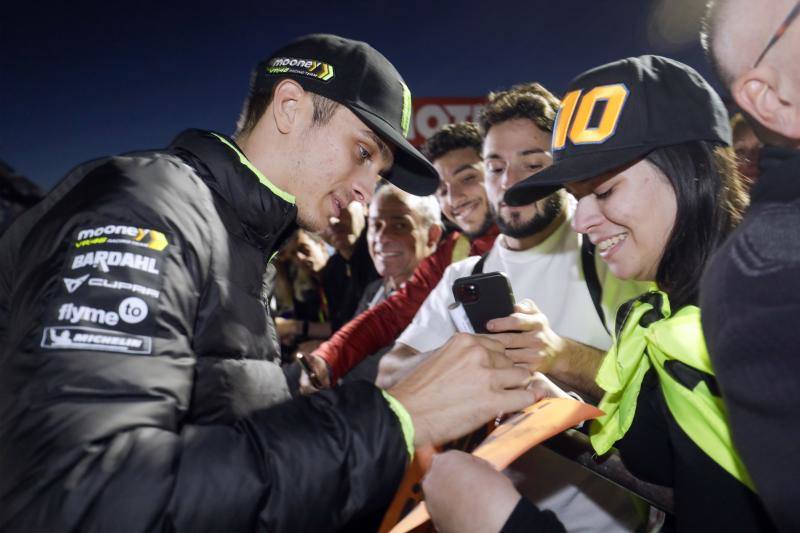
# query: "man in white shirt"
[[561, 331]]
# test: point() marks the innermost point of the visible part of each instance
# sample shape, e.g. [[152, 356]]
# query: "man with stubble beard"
[[556, 328]]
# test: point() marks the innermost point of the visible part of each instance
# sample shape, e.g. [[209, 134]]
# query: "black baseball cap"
[[359, 77], [615, 114]]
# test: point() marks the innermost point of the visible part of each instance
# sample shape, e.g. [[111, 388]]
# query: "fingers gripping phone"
[[484, 297]]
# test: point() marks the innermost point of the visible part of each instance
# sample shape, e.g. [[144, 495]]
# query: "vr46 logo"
[[578, 130]]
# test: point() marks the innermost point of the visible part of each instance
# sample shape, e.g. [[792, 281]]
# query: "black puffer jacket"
[[137, 373]]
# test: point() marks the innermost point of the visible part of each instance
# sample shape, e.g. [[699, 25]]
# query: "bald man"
[[750, 294]]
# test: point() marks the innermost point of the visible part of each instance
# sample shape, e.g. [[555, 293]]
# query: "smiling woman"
[[657, 193], [660, 218]]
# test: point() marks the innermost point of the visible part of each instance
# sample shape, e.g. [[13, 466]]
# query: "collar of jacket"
[[481, 245], [266, 212], [778, 179]]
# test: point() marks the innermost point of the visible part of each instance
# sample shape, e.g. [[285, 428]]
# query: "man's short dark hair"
[[452, 137], [530, 101], [258, 99]]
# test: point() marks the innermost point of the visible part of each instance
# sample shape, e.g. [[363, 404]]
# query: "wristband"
[[406, 425]]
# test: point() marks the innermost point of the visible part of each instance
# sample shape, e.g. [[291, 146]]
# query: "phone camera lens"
[[469, 293]]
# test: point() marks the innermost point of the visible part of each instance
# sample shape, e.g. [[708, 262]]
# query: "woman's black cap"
[[617, 113]]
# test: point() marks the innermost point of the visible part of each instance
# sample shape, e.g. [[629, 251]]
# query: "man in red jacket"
[[455, 153]]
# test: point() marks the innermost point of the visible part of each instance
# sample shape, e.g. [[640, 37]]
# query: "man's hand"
[[320, 368], [309, 345], [528, 336], [530, 340], [464, 494], [544, 388], [397, 364], [461, 386]]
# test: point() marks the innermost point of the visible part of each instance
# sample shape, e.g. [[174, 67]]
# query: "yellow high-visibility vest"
[[649, 335]]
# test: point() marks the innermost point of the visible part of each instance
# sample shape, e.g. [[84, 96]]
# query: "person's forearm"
[[576, 366], [355, 340], [379, 326]]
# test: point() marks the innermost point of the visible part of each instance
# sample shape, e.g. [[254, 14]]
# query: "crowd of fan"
[[663, 203], [391, 270]]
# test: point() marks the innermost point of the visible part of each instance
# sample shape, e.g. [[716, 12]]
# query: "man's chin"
[[476, 230], [514, 222], [314, 222]]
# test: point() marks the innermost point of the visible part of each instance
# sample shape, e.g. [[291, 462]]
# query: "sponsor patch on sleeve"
[[111, 284], [116, 233], [83, 338]]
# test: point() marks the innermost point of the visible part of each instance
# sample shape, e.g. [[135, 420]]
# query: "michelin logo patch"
[[82, 338], [119, 234], [304, 67]]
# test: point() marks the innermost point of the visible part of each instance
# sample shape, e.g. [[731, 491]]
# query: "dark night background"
[[80, 80]]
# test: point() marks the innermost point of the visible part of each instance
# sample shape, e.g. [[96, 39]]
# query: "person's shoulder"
[[156, 170], [767, 241], [463, 267]]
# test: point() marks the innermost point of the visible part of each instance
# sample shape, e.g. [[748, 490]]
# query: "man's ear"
[[286, 98], [761, 95], [434, 234]]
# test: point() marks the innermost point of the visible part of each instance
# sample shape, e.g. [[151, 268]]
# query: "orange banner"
[[504, 445]]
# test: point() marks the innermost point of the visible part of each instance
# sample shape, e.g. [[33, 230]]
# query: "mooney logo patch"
[[148, 238], [305, 67]]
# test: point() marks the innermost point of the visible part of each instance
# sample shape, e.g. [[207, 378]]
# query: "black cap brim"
[[576, 168], [411, 171]]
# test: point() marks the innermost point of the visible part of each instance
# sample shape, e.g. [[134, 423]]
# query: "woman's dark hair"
[[711, 199]]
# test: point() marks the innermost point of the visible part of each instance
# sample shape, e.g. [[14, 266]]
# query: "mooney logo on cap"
[[305, 67], [578, 130]]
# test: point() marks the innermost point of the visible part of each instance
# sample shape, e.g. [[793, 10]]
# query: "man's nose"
[[363, 187], [454, 192], [512, 175], [587, 214]]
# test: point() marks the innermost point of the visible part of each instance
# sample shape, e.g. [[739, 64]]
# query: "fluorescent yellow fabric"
[[261, 177], [461, 249], [405, 422], [637, 348]]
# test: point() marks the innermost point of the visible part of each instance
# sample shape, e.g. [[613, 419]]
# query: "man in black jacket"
[[139, 388], [750, 295]]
